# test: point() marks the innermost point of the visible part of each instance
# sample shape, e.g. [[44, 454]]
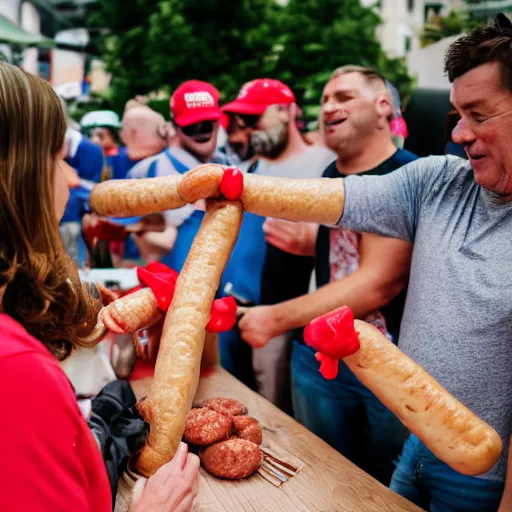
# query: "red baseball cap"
[[256, 96], [195, 101]]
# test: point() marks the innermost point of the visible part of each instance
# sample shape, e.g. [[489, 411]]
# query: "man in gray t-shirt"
[[457, 322]]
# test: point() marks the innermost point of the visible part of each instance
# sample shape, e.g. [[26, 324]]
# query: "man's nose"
[[330, 107], [237, 137], [462, 133]]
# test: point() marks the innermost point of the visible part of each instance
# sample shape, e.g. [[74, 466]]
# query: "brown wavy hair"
[[39, 283]]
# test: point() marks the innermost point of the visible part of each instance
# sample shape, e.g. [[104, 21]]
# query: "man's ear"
[[292, 112], [383, 106]]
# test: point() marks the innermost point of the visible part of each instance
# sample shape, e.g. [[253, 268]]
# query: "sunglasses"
[[243, 121], [196, 129]]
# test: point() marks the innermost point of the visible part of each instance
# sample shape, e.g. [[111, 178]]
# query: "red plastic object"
[[223, 315], [156, 267], [110, 232], [334, 337], [133, 290], [232, 184], [162, 285]]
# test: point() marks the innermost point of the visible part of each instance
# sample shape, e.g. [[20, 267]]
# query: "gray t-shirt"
[[310, 163], [457, 322]]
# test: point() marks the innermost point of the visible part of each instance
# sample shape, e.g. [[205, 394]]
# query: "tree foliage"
[[439, 27], [154, 45]]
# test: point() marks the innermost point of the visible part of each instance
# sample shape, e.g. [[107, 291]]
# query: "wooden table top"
[[327, 481]]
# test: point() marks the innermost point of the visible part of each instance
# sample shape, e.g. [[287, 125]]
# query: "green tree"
[[318, 36], [439, 27], [227, 42], [122, 27], [156, 44]]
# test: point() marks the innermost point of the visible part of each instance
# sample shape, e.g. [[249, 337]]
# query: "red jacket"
[[49, 458]]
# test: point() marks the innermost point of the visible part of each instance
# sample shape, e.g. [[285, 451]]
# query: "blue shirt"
[[121, 164], [88, 162]]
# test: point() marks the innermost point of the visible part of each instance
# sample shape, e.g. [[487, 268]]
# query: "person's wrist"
[[278, 314]]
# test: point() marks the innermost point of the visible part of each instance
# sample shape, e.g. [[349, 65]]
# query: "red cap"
[[195, 101], [256, 96]]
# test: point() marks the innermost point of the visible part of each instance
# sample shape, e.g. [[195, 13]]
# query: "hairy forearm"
[[361, 292]]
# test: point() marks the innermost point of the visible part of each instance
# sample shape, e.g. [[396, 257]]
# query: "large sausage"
[[136, 197], [448, 428], [179, 357], [311, 200]]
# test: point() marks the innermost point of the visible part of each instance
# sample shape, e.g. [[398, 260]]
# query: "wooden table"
[[327, 482]]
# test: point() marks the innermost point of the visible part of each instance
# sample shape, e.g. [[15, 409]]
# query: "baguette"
[[179, 357]]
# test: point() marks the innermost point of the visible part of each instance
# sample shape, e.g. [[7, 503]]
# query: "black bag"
[[118, 428]]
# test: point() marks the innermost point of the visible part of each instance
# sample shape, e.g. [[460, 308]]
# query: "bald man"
[[144, 133]]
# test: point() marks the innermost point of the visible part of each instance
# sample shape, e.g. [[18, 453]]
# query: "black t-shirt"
[[392, 312]]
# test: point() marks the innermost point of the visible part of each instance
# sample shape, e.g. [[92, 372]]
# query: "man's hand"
[[297, 238], [259, 325], [172, 488]]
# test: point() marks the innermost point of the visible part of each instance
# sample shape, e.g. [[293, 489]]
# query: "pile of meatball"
[[226, 438]]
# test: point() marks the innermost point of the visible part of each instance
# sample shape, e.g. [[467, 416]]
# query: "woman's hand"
[[172, 488]]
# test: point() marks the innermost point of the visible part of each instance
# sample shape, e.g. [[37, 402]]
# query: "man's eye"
[[478, 118]]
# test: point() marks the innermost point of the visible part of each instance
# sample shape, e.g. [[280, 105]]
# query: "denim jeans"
[[425, 480], [345, 414]]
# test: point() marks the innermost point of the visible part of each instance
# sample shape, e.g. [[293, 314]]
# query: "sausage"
[[311, 200], [136, 197], [447, 427], [127, 314], [178, 363]]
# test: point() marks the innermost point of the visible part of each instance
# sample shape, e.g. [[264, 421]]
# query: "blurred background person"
[[195, 115], [102, 126], [87, 159], [264, 131]]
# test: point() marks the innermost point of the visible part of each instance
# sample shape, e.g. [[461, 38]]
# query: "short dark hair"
[[371, 75], [492, 43]]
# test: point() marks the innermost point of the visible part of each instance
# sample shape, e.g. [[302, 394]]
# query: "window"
[[407, 43], [410, 5]]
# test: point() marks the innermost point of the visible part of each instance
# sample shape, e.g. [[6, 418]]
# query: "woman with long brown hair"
[[50, 460]]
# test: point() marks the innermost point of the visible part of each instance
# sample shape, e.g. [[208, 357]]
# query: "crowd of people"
[[422, 252]]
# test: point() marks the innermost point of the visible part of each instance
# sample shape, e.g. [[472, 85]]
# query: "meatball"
[[226, 406], [232, 459], [205, 427], [248, 428]]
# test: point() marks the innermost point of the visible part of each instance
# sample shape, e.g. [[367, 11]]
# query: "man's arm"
[[383, 272], [154, 245]]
